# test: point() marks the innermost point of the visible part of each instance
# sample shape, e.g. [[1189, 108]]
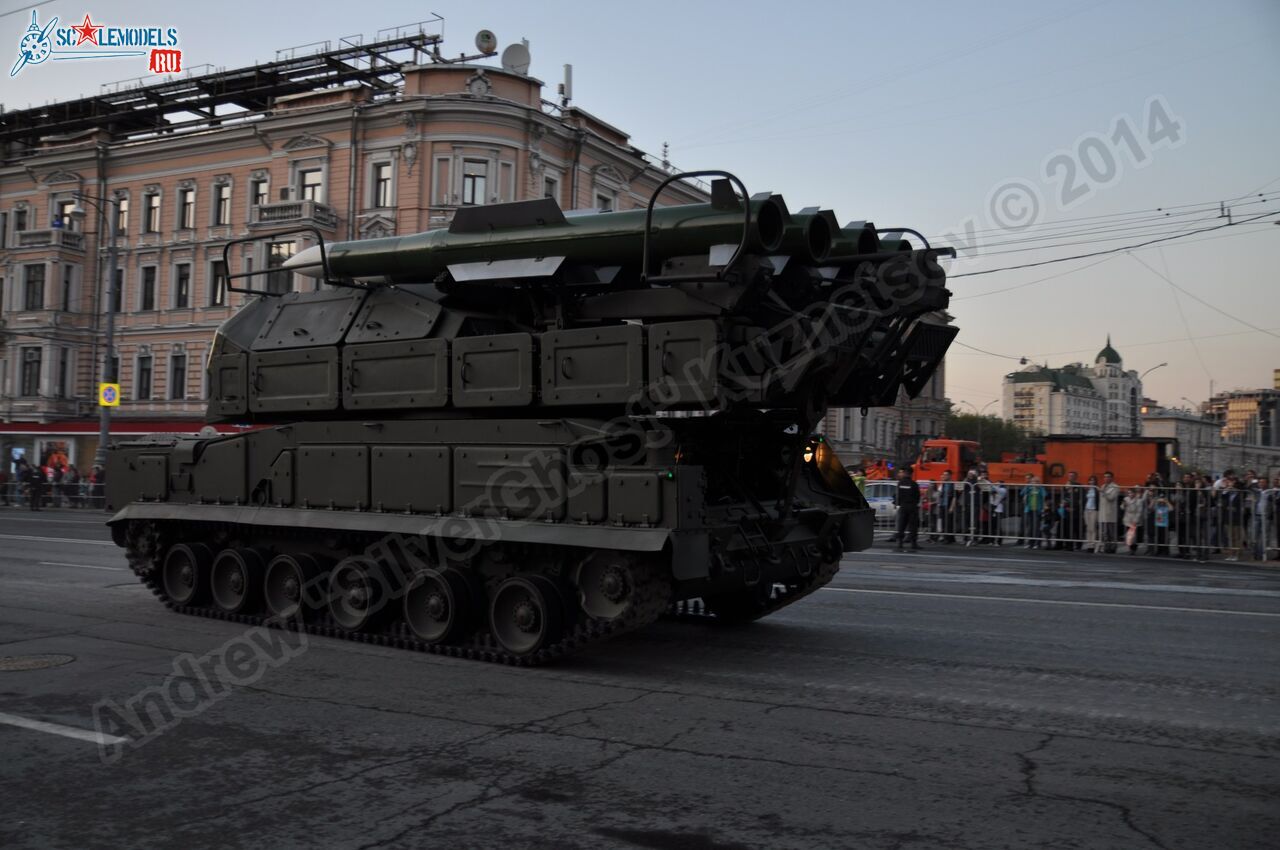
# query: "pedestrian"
[[1275, 515], [1091, 515], [1135, 509], [982, 507], [946, 506], [907, 499], [71, 481], [35, 486], [1073, 511], [1184, 514], [966, 507], [999, 499], [1234, 496], [1262, 506], [926, 508], [1109, 511], [1160, 522], [1032, 506], [97, 480], [1057, 500], [1049, 522]]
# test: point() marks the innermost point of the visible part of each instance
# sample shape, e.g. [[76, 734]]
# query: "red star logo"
[[88, 31]]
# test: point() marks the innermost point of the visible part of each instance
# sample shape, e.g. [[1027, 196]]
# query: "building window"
[[117, 292], [604, 203], [177, 376], [186, 209], [33, 287], [31, 372], [218, 284], [382, 184], [311, 185], [182, 285], [551, 188], [64, 372], [143, 384], [147, 301], [475, 175], [62, 218], [19, 220], [122, 216], [151, 214], [278, 280], [222, 203], [258, 191], [68, 279]]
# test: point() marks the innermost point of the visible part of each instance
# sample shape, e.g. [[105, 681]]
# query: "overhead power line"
[[1118, 249], [1162, 222], [1128, 345], [991, 353], [1182, 315], [1153, 213], [1242, 232], [1195, 297]]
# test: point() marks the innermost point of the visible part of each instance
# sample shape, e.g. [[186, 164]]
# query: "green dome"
[[1108, 354]]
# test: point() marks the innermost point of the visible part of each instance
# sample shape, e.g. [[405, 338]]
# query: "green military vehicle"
[[535, 429]]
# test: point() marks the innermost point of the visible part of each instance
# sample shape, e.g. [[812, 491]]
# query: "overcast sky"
[[1069, 122]]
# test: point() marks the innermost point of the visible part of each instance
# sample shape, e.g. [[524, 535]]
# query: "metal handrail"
[[247, 240], [648, 225]]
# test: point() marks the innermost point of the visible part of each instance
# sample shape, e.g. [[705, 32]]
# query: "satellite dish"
[[516, 58], [486, 42]]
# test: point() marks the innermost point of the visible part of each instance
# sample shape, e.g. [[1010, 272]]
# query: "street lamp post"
[[109, 375], [1136, 426], [1149, 371], [979, 413]]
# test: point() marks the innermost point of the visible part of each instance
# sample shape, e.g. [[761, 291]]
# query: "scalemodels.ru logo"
[[97, 41]]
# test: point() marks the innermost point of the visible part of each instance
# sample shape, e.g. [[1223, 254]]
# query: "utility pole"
[[109, 207]]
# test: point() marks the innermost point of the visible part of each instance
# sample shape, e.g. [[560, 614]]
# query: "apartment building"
[[1099, 400]]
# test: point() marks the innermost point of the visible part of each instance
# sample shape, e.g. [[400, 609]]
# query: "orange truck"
[[1130, 459]]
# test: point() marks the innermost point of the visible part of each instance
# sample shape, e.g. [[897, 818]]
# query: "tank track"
[[652, 598], [780, 596]]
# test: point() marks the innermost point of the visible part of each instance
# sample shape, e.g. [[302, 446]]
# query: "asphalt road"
[[950, 698]]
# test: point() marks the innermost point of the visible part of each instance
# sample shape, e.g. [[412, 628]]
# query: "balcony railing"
[[295, 212], [53, 236]]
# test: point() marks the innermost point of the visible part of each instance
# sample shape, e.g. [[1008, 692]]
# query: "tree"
[[994, 434]]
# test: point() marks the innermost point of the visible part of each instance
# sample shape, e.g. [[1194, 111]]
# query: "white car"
[[880, 497]]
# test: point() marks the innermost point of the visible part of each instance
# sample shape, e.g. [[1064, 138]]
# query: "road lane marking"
[[918, 577], [81, 566], [48, 521], [922, 556], [56, 539], [1052, 601], [99, 738]]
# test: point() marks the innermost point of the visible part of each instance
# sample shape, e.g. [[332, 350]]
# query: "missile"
[[538, 230]]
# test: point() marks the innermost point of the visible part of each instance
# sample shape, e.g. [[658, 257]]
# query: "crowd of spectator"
[[1233, 515], [52, 484]]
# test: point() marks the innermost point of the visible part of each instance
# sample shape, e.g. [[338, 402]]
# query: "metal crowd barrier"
[[1190, 522], [78, 494]]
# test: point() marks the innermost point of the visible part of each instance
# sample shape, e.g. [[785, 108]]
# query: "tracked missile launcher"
[[534, 430]]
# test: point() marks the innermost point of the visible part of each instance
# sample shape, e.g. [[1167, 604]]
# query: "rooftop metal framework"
[[148, 109]]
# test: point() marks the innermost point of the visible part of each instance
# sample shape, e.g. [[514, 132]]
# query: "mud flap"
[[858, 531], [690, 555]]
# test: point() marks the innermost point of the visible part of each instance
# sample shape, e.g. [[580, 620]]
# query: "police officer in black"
[[907, 499]]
